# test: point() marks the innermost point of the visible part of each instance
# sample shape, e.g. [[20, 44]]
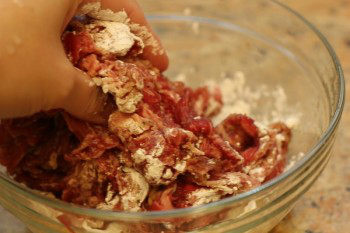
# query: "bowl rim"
[[68, 207]]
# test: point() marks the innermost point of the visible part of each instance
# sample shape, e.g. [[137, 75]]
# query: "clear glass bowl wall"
[[271, 45]]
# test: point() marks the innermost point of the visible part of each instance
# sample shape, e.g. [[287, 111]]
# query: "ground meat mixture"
[[159, 150]]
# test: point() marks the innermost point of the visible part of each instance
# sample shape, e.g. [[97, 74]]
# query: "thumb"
[[84, 100]]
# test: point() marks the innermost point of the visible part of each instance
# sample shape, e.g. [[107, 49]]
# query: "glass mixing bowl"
[[274, 47]]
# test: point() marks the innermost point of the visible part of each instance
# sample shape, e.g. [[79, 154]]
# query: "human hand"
[[35, 72]]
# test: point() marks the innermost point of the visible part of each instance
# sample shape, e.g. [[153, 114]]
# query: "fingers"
[[72, 90], [73, 6], [136, 15], [84, 100]]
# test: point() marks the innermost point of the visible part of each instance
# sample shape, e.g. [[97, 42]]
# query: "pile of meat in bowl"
[[159, 150]]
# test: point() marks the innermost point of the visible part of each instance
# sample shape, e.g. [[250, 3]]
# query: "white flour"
[[239, 97]]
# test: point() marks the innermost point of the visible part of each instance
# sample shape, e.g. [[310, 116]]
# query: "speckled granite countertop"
[[325, 208]]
